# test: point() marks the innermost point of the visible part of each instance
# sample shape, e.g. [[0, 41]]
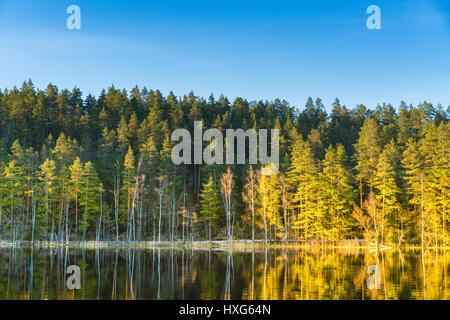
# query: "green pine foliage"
[[210, 205], [77, 169]]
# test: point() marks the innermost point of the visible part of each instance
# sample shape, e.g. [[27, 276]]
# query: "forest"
[[75, 168]]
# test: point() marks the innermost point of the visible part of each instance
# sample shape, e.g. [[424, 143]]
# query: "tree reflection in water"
[[120, 274]]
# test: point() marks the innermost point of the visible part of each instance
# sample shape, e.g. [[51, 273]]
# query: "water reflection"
[[33, 273]]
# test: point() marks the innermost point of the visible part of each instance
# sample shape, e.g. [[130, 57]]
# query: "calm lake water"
[[214, 274]]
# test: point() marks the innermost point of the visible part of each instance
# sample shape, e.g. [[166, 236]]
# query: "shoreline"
[[224, 244]]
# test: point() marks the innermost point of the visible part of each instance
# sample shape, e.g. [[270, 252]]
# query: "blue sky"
[[253, 49]]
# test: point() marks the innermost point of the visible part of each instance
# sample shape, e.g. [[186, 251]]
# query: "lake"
[[176, 273]]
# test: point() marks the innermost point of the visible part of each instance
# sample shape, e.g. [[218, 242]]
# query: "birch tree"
[[227, 184]]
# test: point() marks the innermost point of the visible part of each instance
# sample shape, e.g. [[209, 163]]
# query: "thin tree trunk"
[[264, 208], [422, 217], [1, 226], [34, 216], [101, 216], [160, 217], [253, 215], [116, 201], [76, 218]]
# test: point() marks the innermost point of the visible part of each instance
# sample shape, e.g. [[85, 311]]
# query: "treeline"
[[74, 169]]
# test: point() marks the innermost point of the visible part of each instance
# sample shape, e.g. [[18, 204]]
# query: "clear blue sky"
[[253, 49]]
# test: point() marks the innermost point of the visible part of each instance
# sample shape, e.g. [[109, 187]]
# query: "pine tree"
[[413, 162], [367, 151], [387, 191], [14, 180], [441, 178], [435, 149], [338, 192], [65, 150], [123, 136], [128, 188], [303, 177], [76, 173], [89, 197], [210, 205], [274, 203], [63, 197], [47, 178], [286, 204], [262, 203]]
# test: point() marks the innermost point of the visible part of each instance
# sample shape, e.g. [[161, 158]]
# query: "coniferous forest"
[[82, 168]]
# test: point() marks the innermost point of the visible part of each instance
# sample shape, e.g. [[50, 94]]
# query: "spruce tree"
[[210, 205]]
